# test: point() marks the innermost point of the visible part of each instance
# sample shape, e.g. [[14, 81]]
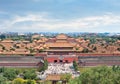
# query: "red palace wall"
[[66, 59]]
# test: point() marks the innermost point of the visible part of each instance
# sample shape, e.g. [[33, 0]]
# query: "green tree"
[[92, 40], [18, 81], [40, 50], [65, 77], [2, 69], [95, 48], [2, 36], [74, 81], [29, 74], [12, 49], [97, 75], [3, 80], [3, 48], [116, 68], [44, 67], [75, 65], [10, 74], [46, 64], [31, 50], [118, 49], [31, 82], [85, 50]]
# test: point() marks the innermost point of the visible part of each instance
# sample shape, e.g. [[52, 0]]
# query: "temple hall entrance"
[[66, 61], [55, 61], [61, 61]]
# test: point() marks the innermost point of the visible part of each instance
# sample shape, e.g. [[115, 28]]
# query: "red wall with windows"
[[66, 59]]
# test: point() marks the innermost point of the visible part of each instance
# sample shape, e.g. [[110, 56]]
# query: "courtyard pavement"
[[59, 68]]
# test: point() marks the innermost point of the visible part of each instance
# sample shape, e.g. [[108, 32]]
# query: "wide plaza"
[[58, 69]]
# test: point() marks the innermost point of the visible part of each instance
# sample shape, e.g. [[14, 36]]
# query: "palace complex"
[[59, 49]]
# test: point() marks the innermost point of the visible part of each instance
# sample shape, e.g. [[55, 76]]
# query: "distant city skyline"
[[60, 16]]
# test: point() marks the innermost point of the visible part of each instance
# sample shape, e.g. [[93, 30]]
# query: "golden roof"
[[61, 36], [118, 41], [44, 39], [7, 41], [61, 41], [40, 41], [24, 41], [20, 50], [1, 48], [60, 44], [53, 77]]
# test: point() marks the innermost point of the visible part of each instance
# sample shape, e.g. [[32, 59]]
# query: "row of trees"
[[99, 75], [95, 75], [44, 67], [75, 65], [20, 77], [22, 81], [10, 74]]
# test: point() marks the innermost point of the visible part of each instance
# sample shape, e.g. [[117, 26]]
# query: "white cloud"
[[37, 22]]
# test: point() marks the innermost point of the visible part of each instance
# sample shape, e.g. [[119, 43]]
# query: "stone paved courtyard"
[[60, 68]]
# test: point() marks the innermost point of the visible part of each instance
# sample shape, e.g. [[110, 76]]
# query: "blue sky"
[[60, 15]]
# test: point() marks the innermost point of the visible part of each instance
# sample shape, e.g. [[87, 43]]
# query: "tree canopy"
[[99, 75], [29, 74], [75, 65]]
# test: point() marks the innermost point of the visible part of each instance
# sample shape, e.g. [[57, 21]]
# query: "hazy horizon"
[[62, 16]]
